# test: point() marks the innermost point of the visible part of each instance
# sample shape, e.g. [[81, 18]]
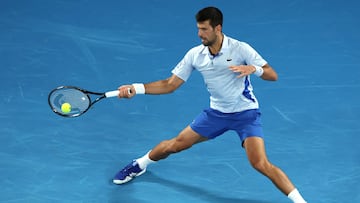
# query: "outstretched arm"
[[165, 86]]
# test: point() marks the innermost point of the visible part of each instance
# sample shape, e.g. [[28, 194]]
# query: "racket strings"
[[78, 100]]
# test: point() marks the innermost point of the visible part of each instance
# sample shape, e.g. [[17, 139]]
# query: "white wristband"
[[139, 88], [258, 71]]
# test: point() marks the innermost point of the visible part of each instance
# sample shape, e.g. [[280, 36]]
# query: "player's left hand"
[[243, 70]]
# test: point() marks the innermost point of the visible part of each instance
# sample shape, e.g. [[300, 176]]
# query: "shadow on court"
[[202, 194]]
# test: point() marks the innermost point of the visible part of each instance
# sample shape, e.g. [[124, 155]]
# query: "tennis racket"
[[71, 101]]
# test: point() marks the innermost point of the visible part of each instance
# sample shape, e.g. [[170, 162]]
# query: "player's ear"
[[218, 28]]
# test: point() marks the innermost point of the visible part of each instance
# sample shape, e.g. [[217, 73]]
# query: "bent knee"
[[262, 166], [175, 145]]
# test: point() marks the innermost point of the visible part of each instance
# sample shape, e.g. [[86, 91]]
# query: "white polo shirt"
[[228, 93]]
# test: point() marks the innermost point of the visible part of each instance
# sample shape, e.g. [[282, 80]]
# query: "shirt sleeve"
[[252, 57], [184, 68]]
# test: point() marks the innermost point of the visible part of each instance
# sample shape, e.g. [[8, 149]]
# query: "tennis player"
[[226, 65]]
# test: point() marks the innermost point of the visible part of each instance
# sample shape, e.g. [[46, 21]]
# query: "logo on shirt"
[[228, 59]]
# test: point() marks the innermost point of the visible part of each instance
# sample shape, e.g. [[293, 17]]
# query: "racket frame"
[[86, 92]]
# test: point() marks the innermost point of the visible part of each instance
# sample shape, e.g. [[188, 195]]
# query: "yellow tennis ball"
[[66, 107]]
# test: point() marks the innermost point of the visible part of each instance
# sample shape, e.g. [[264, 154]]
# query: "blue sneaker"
[[130, 171]]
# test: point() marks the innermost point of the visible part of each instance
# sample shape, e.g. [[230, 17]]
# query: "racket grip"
[[114, 93]]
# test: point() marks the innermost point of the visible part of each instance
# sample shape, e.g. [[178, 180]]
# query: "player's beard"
[[207, 42]]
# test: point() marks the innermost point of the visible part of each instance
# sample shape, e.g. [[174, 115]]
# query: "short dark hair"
[[210, 13]]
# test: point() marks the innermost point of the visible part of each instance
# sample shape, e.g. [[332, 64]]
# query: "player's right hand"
[[126, 91]]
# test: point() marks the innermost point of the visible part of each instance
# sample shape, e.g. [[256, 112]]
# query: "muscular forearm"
[[266, 72], [164, 86], [159, 87], [269, 73]]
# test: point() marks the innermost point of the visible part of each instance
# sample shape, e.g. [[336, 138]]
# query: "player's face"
[[207, 33]]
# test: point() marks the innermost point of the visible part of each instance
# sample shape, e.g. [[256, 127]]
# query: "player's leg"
[[184, 140], [255, 150], [207, 125]]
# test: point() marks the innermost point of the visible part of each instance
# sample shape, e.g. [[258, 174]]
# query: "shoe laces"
[[128, 168]]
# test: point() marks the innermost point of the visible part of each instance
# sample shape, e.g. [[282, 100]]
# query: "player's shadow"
[[194, 191]]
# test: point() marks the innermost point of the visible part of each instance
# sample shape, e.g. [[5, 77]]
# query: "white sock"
[[296, 197], [144, 161]]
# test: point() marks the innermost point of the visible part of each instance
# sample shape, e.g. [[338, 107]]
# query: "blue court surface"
[[310, 115]]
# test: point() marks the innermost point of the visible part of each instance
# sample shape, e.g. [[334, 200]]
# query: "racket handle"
[[115, 93]]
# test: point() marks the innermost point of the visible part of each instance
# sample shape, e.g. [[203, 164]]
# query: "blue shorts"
[[212, 123]]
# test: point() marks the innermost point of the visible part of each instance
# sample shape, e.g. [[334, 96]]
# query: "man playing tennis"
[[226, 65]]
